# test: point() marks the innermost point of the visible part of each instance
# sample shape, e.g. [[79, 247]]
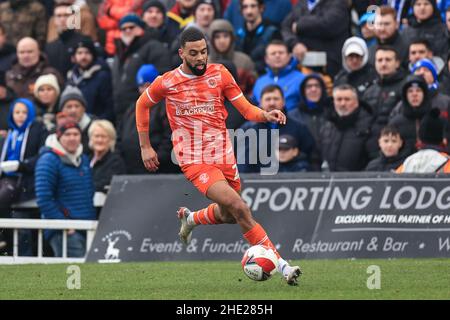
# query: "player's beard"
[[194, 70]]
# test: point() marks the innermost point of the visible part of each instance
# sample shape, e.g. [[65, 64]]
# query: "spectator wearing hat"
[[73, 104], [318, 25], [154, 16], [425, 23], [87, 26], [133, 50], [432, 156], [356, 71], [392, 151], [6, 97], [105, 162], [160, 131], [387, 33], [365, 29], [93, 77], [108, 18], [222, 47], [385, 93], [343, 138], [272, 98], [428, 71], [7, 51], [29, 65], [255, 33], [19, 153], [415, 104], [204, 13], [64, 185], [46, 94], [312, 109], [290, 157], [59, 51]]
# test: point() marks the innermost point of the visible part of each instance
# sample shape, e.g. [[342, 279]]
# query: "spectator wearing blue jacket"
[[64, 185], [281, 70], [259, 156]]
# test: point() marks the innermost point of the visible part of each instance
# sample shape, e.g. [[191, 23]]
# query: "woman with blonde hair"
[[105, 162]]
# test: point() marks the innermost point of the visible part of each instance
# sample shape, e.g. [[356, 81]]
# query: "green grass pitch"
[[322, 279]]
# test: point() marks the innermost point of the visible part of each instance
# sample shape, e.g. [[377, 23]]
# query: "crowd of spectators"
[[363, 89]]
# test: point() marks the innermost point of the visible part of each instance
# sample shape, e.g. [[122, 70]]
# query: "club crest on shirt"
[[212, 83], [204, 177]]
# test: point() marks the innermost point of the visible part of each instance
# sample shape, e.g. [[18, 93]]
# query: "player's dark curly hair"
[[191, 35]]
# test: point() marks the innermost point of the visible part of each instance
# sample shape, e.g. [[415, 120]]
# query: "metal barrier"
[[40, 224]]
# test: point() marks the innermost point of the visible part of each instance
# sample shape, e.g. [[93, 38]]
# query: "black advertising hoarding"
[[309, 216]]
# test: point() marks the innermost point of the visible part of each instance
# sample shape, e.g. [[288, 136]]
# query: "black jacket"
[[104, 169], [407, 119], [432, 30], [160, 138], [383, 163], [59, 52], [343, 140], [126, 65], [360, 79], [7, 55], [382, 97], [325, 28]]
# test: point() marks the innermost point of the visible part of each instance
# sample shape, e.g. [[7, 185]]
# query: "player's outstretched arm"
[[253, 113], [148, 154]]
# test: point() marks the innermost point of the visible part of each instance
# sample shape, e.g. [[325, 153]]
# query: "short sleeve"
[[155, 92], [230, 88]]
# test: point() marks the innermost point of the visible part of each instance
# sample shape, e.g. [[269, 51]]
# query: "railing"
[[40, 224]]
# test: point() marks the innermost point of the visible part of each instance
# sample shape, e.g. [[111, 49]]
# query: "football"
[[259, 263]]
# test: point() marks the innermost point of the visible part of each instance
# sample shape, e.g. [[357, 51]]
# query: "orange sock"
[[257, 235], [205, 216]]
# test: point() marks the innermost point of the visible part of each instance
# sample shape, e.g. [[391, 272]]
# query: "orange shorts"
[[205, 175]]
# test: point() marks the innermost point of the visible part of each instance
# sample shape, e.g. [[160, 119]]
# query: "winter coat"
[[325, 28], [383, 163], [253, 43], [427, 160], [27, 18], [104, 169], [59, 51], [126, 65], [33, 140], [160, 137], [432, 30], [360, 79], [397, 41], [406, 118], [246, 152], [343, 141], [288, 78], [313, 116], [382, 97], [21, 80], [245, 66], [64, 185], [96, 85]]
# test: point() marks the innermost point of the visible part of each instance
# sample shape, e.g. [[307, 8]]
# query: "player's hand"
[[150, 159], [276, 116]]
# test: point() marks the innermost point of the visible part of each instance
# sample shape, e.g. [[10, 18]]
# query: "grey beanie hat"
[[71, 93]]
